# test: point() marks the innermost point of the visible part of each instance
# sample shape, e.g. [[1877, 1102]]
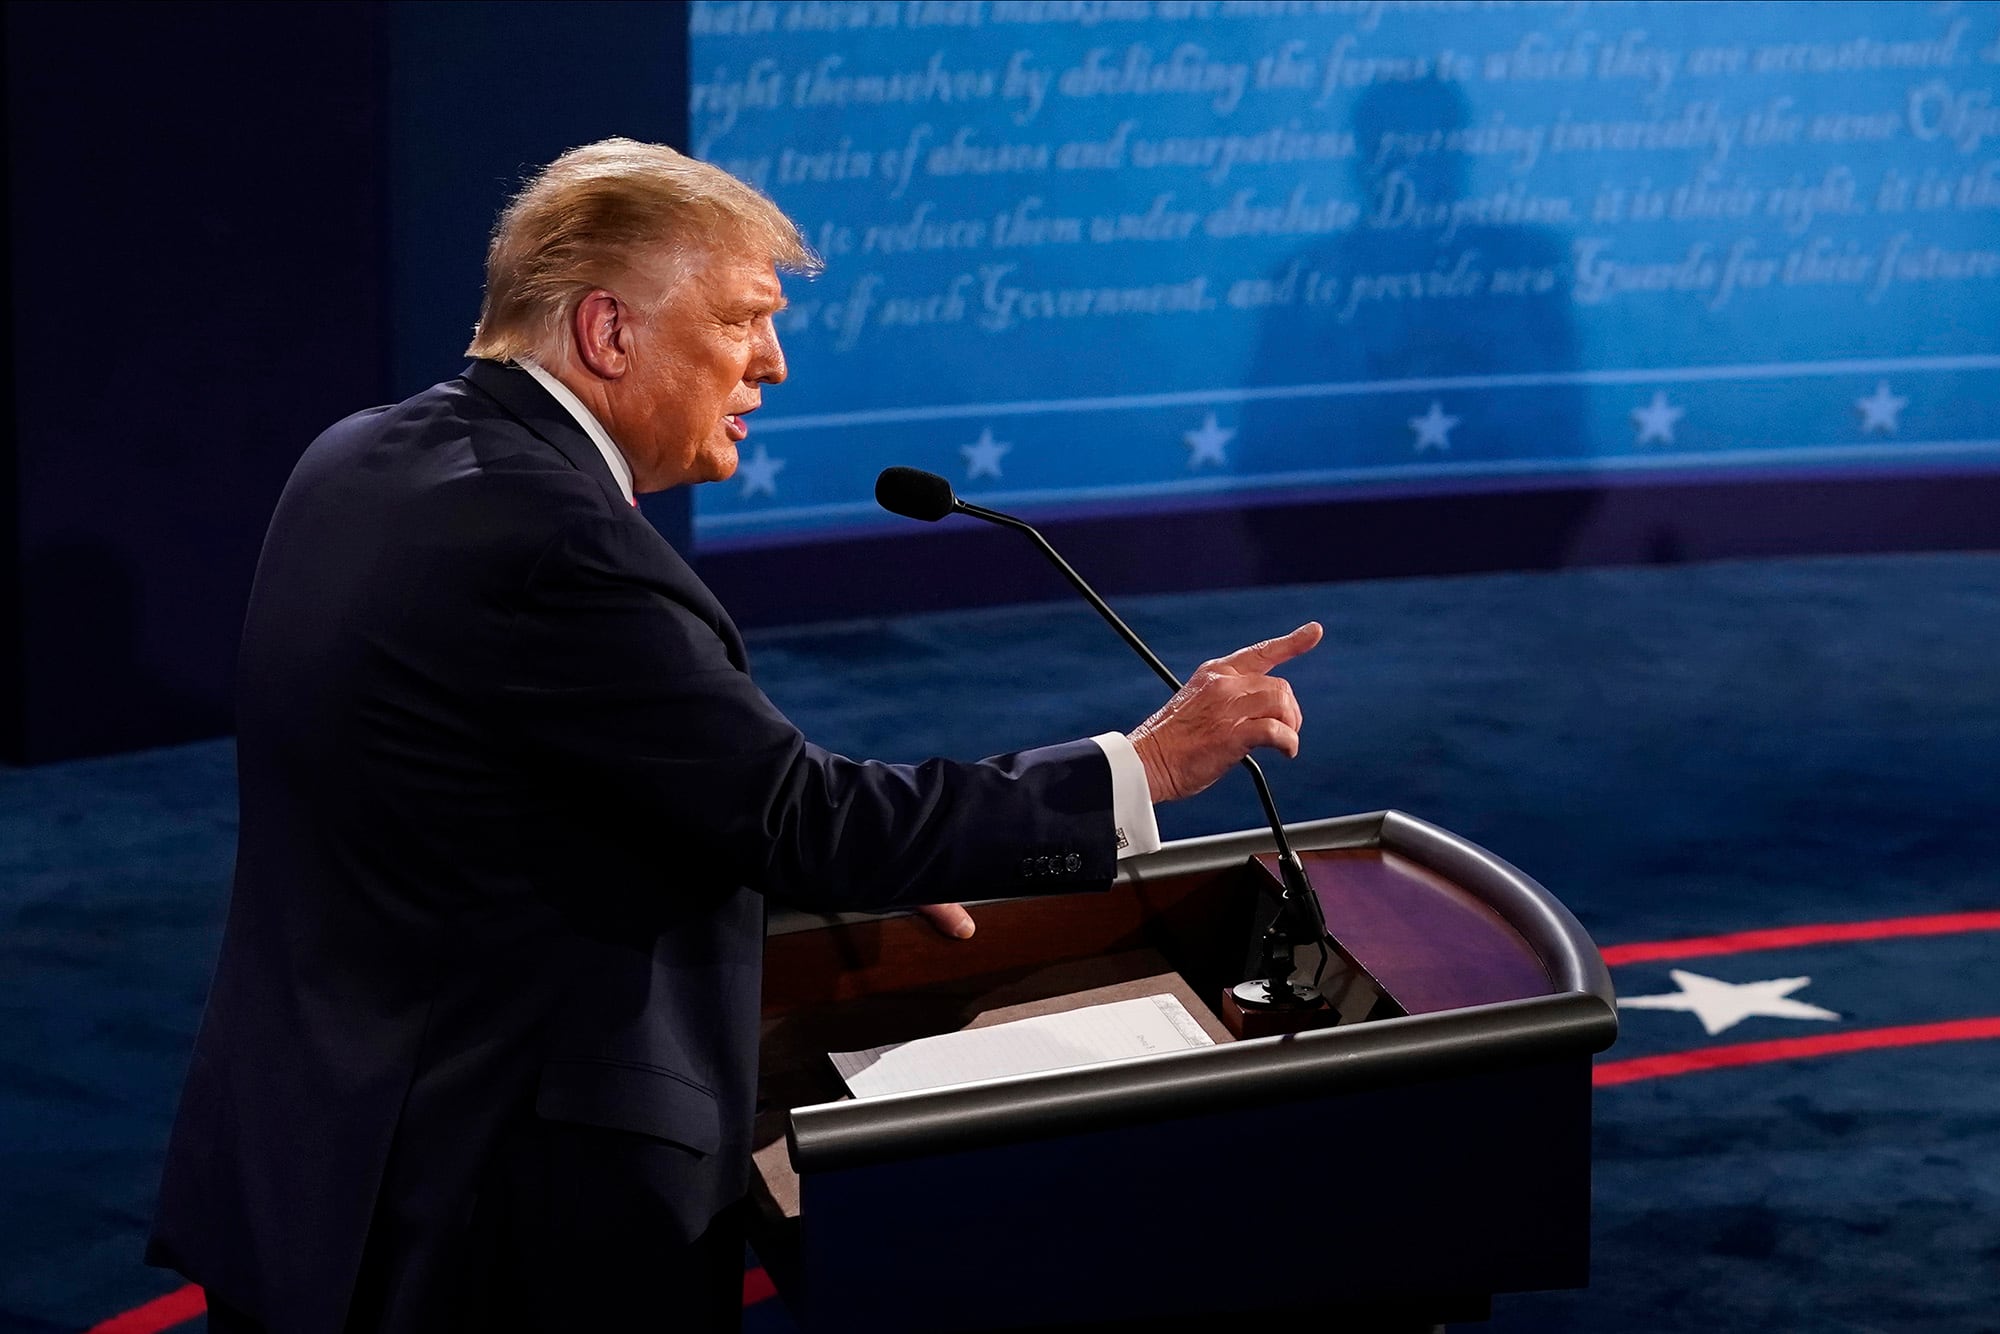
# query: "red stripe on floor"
[[1791, 937], [1791, 1049], [184, 1304], [177, 1307]]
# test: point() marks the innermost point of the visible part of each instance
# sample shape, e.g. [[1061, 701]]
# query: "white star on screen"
[[759, 473], [1206, 445], [1433, 428], [982, 456], [1723, 1005], [1656, 420], [1880, 409]]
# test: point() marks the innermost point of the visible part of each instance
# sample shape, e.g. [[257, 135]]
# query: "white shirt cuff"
[[1131, 797]]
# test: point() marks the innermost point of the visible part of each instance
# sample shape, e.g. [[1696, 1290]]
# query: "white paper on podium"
[[1148, 1026]]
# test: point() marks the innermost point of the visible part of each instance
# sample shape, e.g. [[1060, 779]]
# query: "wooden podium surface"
[[1381, 1174]]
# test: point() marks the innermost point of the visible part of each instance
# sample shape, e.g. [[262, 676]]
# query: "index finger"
[[1263, 657]]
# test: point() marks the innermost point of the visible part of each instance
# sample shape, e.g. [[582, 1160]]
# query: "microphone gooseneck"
[[916, 494]]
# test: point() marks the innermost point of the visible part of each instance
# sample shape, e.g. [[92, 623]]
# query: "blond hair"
[[599, 215]]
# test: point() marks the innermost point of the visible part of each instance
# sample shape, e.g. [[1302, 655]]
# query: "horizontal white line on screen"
[[1769, 370], [1582, 468]]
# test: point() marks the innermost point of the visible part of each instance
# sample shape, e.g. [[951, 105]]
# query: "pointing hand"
[[1229, 707]]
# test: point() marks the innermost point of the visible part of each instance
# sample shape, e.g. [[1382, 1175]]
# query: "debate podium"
[[1395, 1171]]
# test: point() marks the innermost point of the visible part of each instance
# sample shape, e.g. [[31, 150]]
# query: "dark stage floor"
[[1812, 746]]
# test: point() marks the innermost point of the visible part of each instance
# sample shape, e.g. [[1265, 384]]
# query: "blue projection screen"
[[1083, 256]]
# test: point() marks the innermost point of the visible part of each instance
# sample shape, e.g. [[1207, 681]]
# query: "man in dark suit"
[[480, 1049]]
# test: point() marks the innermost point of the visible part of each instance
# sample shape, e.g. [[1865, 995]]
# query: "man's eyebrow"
[[754, 307]]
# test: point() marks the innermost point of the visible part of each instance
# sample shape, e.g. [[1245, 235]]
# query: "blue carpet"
[[1674, 752]]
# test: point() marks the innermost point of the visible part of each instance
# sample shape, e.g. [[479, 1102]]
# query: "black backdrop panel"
[[196, 232], [230, 226]]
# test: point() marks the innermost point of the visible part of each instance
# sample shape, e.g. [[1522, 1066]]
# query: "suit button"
[[1027, 868], [1073, 863]]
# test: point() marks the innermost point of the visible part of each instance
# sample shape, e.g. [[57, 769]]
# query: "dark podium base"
[[1428, 1152]]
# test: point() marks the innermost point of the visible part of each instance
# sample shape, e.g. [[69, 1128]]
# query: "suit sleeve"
[[621, 688]]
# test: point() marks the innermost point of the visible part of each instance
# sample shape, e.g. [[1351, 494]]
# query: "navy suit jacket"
[[512, 809]]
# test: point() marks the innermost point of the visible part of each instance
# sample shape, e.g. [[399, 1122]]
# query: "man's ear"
[[601, 335]]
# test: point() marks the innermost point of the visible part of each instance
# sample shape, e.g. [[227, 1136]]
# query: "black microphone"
[[916, 494]]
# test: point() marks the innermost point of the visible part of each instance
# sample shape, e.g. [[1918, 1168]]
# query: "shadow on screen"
[[1396, 298]]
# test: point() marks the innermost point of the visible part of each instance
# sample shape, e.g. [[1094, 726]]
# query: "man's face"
[[700, 360]]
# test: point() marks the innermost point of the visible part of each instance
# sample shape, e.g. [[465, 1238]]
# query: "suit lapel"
[[528, 403]]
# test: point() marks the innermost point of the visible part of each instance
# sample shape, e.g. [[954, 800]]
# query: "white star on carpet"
[[1433, 428], [982, 456], [1207, 443], [1723, 1005], [1656, 420], [759, 473], [1880, 409]]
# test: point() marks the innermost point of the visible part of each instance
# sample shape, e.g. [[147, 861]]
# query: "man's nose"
[[768, 367]]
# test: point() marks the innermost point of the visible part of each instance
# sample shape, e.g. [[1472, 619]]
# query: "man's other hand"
[[1229, 707], [949, 919]]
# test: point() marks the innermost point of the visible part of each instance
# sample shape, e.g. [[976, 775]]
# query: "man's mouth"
[[735, 425]]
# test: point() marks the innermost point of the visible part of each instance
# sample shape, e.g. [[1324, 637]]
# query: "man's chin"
[[719, 463], [706, 468]]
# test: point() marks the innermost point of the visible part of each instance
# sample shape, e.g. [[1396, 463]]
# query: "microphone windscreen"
[[914, 494]]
